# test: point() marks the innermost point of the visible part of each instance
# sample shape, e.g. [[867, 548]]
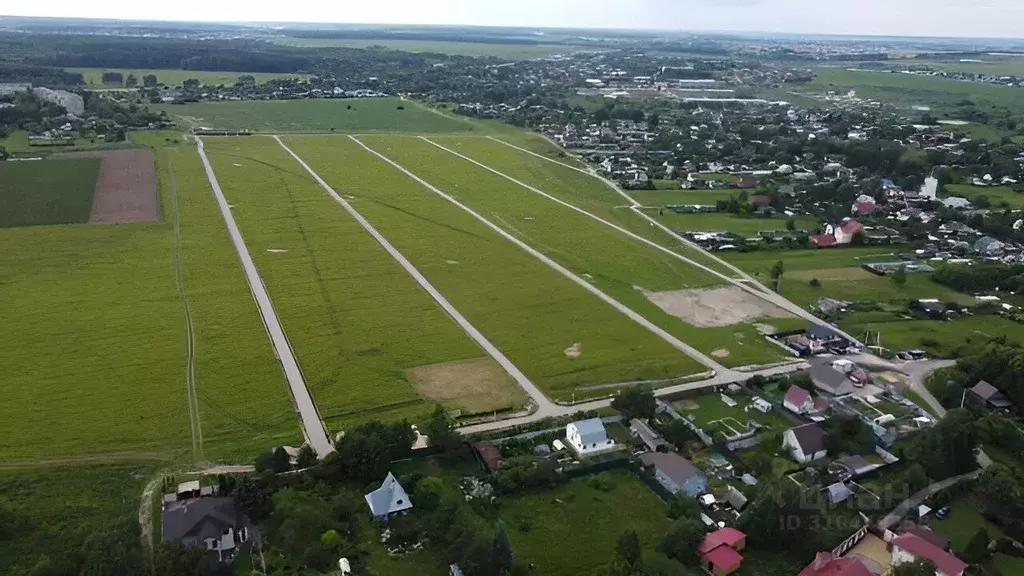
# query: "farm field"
[[941, 339], [93, 77], [47, 191], [357, 321], [995, 67], [473, 49], [51, 513], [761, 262], [531, 313], [997, 195], [544, 528], [365, 115], [631, 272], [726, 222], [676, 195]]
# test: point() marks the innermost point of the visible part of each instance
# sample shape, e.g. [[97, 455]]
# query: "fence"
[[667, 409], [853, 539]]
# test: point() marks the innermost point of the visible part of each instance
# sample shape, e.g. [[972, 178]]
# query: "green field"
[[997, 195], [709, 408], [676, 195], [52, 513], [813, 259], [93, 77], [47, 191], [357, 321], [726, 222], [994, 67], [526, 309], [620, 266], [574, 528], [475, 49], [17, 143], [963, 522], [334, 115]]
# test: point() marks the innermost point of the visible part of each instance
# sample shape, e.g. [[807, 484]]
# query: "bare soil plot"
[[712, 307], [473, 386], [126, 188]]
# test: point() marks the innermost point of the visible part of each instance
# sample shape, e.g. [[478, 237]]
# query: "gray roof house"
[[989, 397], [956, 202], [837, 493], [828, 379], [388, 500], [213, 524], [588, 436], [650, 437]]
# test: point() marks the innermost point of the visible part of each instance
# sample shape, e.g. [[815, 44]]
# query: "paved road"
[[918, 372], [544, 406], [744, 278], [922, 495], [312, 424]]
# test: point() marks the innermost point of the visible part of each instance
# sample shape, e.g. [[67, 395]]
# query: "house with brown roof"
[[909, 548], [988, 397], [720, 550], [805, 443], [489, 454]]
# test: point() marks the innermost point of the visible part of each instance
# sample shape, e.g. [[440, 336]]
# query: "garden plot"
[[356, 320], [47, 191], [613, 262], [560, 335], [126, 188], [728, 415]]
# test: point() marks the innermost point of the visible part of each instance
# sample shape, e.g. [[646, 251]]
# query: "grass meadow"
[[473, 49], [93, 77], [47, 191], [997, 195], [547, 528], [676, 196], [610, 260], [333, 115], [53, 512], [726, 222], [357, 321], [526, 309]]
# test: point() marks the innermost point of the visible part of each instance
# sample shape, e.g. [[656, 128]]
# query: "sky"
[[965, 18]]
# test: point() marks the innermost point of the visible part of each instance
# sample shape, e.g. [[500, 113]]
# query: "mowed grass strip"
[[47, 191], [612, 261], [341, 115], [356, 320], [94, 354], [525, 308], [244, 405]]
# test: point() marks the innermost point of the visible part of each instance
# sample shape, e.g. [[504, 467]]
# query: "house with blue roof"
[[588, 436], [388, 500]]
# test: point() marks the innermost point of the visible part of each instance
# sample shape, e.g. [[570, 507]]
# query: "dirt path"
[[190, 366]]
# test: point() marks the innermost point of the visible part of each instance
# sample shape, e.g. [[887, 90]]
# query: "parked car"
[[942, 513]]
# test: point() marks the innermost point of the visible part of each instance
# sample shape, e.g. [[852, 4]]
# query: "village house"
[[588, 436], [675, 473], [799, 401], [388, 500], [909, 548], [988, 397], [213, 524], [805, 443], [654, 442], [720, 551], [825, 564]]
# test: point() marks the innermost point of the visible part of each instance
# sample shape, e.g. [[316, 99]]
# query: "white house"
[[798, 400], [388, 500], [588, 436], [909, 547], [805, 443]]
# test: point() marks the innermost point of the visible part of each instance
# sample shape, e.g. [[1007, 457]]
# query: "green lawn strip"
[[355, 319], [341, 115], [963, 522], [98, 361], [55, 510], [678, 196], [711, 408], [244, 401], [526, 309], [997, 195], [814, 259], [17, 143], [726, 222], [938, 338], [93, 77], [574, 528], [612, 261], [47, 191], [515, 51]]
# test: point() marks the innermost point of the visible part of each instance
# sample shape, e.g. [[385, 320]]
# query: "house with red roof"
[[909, 547], [864, 208], [841, 233], [798, 400], [825, 564], [720, 550]]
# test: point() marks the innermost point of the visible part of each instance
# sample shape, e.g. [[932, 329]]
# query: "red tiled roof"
[[922, 549], [825, 564], [727, 536], [864, 207], [820, 404], [851, 227], [797, 395], [723, 557], [823, 239], [490, 454]]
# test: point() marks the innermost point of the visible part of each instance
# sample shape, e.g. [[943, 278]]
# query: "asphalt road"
[[312, 425]]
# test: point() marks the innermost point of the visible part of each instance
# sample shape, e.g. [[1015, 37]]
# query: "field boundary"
[[635, 206], [312, 425], [528, 386], [629, 312], [195, 424]]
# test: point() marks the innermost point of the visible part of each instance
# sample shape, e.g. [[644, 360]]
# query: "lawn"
[[678, 196], [813, 259], [709, 408], [726, 222], [960, 526], [47, 191], [473, 49], [356, 320], [997, 195], [17, 143], [530, 312], [53, 512], [93, 77], [617, 264], [574, 528], [939, 339], [341, 115]]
